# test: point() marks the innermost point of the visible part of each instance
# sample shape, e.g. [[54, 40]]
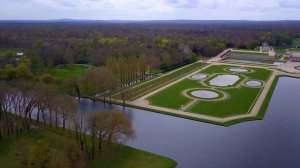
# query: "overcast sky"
[[150, 9]]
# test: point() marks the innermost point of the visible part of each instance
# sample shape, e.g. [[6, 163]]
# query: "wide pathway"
[[290, 67], [219, 57]]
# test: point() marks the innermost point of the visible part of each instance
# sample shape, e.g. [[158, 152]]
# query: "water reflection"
[[273, 142]]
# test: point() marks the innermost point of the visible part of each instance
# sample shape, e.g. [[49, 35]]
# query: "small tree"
[[68, 107], [23, 71], [75, 155], [119, 127], [9, 72], [46, 78]]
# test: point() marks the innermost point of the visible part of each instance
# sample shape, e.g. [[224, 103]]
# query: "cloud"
[[183, 3], [150, 9], [290, 4]]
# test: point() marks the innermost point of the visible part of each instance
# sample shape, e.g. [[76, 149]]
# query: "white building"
[[19, 54], [265, 47], [294, 56]]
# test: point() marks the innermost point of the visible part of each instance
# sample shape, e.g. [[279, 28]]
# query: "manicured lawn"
[[240, 101], [217, 69], [68, 71], [251, 52], [122, 156], [259, 74], [171, 97]]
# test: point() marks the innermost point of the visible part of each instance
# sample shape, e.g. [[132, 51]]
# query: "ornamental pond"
[[224, 80], [273, 142]]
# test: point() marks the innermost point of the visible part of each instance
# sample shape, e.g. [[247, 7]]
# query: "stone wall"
[[249, 56], [295, 59]]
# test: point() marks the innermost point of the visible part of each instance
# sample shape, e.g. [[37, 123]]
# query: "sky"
[[150, 9]]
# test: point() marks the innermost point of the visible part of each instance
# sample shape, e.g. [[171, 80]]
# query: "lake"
[[273, 142]]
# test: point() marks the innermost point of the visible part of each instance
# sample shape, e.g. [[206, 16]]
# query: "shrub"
[[46, 78]]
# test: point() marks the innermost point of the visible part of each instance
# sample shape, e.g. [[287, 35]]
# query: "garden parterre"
[[238, 97]]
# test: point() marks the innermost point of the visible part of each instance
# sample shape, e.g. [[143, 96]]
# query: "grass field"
[[295, 49], [14, 50], [251, 52], [68, 71], [122, 156], [296, 41], [240, 101]]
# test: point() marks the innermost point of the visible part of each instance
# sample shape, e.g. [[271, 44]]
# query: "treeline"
[[117, 74], [28, 102], [24, 105], [135, 92], [128, 69], [110, 127], [163, 44]]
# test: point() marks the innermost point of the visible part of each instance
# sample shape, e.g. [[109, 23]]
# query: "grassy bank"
[[263, 108], [120, 157]]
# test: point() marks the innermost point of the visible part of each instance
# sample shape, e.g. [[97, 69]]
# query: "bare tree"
[[68, 107], [119, 127]]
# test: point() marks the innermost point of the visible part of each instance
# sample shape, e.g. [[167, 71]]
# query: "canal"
[[273, 142]]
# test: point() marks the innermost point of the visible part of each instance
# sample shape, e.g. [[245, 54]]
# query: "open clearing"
[[69, 70]]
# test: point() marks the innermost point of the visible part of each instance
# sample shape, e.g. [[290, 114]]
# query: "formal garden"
[[218, 91]]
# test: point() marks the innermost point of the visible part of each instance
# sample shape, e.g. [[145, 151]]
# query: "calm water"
[[273, 142]]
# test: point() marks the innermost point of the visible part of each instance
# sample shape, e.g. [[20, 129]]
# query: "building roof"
[[19, 54], [265, 44]]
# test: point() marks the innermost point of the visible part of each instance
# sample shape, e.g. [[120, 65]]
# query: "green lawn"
[[68, 71], [296, 41], [121, 157], [295, 49], [251, 52], [240, 102], [14, 50], [260, 73], [240, 99], [171, 97]]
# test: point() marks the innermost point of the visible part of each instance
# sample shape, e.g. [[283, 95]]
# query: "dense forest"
[[164, 44], [102, 60]]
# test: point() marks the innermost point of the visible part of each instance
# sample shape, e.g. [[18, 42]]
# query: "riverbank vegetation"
[[53, 148], [50, 132]]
